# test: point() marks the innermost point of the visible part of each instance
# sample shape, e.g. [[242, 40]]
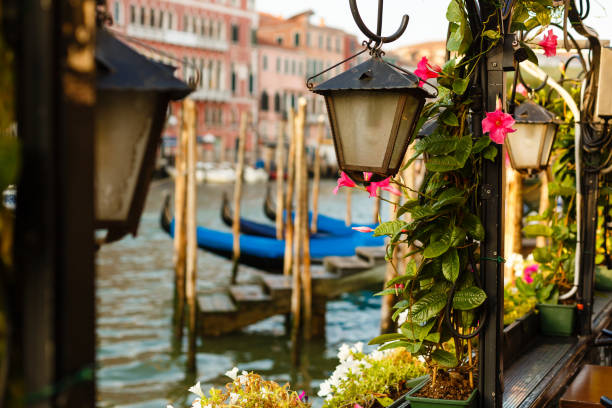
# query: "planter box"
[[557, 320], [518, 335], [419, 402], [603, 278], [415, 384]]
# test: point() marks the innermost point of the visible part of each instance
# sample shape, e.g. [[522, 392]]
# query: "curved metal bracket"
[[377, 38]]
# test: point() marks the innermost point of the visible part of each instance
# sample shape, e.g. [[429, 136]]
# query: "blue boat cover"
[[272, 248]]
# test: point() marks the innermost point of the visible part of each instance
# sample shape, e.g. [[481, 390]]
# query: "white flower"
[[325, 389], [169, 406], [344, 353], [358, 347], [234, 398], [243, 379], [197, 390], [196, 403], [403, 316], [233, 373]]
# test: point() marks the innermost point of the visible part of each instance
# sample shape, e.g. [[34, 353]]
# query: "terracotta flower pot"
[[557, 320], [420, 402]]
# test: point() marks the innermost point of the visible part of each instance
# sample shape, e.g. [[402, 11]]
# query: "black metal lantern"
[[373, 108], [133, 93], [530, 147]]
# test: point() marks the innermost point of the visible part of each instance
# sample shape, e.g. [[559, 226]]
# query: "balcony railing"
[[214, 95], [176, 37]]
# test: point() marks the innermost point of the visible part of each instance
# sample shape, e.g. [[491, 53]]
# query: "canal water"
[[138, 364]]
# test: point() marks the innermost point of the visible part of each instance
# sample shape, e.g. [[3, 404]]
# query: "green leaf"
[[454, 14], [415, 331], [436, 248], [420, 212], [542, 255], [411, 269], [436, 144], [389, 228], [427, 307], [537, 230], [457, 237], [383, 338], [450, 265], [459, 87], [451, 196], [411, 347], [449, 118], [433, 337], [444, 358], [464, 148], [384, 401], [474, 227], [481, 144], [490, 153], [492, 34], [385, 292], [442, 164], [408, 205], [530, 54], [469, 298]]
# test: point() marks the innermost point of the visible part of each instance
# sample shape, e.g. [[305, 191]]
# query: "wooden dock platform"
[[241, 305]]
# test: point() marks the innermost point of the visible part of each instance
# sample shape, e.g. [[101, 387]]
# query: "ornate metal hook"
[[377, 38]]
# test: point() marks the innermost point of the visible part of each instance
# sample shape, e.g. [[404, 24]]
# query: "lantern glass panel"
[[550, 138], [123, 127], [406, 121], [526, 144], [364, 123]]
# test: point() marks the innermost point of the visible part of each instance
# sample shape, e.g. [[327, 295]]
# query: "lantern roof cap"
[[121, 68], [531, 112], [373, 74]]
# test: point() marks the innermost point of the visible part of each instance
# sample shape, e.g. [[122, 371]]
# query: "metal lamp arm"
[[379, 39]]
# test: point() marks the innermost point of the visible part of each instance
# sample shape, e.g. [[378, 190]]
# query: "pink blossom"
[[549, 44], [383, 185], [357, 406], [363, 229], [520, 88], [302, 395], [425, 70], [528, 272], [399, 285], [498, 124], [344, 181]]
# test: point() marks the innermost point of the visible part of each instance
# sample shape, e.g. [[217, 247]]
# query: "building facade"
[[212, 41]]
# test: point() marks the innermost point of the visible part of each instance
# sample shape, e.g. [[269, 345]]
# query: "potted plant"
[[379, 379], [248, 390]]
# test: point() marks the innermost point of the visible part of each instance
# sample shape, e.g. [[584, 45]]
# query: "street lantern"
[[373, 109], [133, 93], [530, 146]]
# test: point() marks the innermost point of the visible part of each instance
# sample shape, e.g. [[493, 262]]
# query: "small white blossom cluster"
[[352, 364]]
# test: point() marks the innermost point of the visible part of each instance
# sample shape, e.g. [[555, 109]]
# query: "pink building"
[[313, 47], [212, 38]]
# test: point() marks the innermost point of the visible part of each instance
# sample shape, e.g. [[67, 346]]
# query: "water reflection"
[[138, 366]]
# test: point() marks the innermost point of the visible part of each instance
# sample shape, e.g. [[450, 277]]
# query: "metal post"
[[590, 186], [54, 243], [491, 210]]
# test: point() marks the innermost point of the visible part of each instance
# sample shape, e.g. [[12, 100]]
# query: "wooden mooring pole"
[[288, 260], [348, 219], [237, 195], [280, 177], [192, 247], [296, 290], [544, 203], [317, 175], [387, 325], [180, 245]]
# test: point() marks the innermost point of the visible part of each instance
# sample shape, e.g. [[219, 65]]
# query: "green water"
[[138, 364]]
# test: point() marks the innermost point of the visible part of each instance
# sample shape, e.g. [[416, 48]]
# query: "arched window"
[[264, 101], [277, 102]]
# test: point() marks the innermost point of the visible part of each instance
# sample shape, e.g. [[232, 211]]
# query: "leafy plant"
[[370, 380], [248, 390]]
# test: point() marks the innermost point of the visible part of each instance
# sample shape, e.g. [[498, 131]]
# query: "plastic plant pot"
[[603, 279], [420, 402], [413, 384], [557, 320]]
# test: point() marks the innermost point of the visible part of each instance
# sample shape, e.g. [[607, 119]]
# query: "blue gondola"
[[268, 253]]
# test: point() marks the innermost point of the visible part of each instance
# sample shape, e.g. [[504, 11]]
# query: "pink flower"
[[520, 88], [498, 124], [425, 70], [302, 395], [363, 229], [357, 406], [549, 44], [383, 185], [344, 181], [528, 272], [399, 285]]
